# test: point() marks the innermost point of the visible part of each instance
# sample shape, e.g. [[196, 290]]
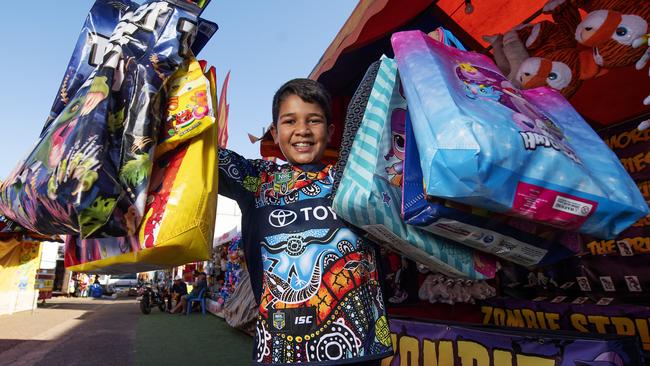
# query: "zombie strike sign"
[[437, 344], [624, 320], [633, 148]]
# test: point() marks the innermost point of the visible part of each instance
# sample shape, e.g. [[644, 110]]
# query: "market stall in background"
[[28, 263], [602, 285], [19, 262], [46, 274]]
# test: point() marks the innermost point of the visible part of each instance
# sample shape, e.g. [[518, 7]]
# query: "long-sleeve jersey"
[[315, 280]]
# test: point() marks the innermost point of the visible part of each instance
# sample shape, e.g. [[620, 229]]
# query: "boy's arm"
[[239, 177]]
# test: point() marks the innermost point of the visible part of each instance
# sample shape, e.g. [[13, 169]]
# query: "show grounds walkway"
[[74, 331]]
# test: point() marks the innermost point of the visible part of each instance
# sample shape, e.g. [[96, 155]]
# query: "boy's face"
[[302, 132]]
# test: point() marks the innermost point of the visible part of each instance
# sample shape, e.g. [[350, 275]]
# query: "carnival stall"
[[451, 200], [19, 261], [46, 274], [26, 260]]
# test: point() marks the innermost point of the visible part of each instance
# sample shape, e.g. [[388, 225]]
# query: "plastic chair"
[[200, 299]]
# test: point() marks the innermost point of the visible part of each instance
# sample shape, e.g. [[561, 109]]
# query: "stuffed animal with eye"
[[563, 70], [615, 30], [612, 28], [610, 34], [534, 40]]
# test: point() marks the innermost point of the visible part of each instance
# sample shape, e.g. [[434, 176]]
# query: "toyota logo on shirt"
[[282, 218]]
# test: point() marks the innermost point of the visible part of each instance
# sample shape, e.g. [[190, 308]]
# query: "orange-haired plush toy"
[[563, 70], [610, 36], [615, 30], [611, 28], [534, 40]]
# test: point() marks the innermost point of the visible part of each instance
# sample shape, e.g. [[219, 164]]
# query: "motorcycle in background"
[[151, 297]]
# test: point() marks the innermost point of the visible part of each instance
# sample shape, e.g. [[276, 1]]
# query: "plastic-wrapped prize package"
[[190, 110], [89, 172], [179, 219], [88, 53], [369, 195], [528, 245], [484, 143]]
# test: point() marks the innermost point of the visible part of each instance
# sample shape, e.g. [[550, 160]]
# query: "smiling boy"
[[315, 280]]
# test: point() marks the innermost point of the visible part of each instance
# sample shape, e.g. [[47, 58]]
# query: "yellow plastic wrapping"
[[190, 107], [178, 225]]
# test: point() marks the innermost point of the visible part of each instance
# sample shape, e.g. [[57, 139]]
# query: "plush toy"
[[615, 30], [611, 27], [563, 70], [436, 288], [533, 40], [509, 52], [608, 32]]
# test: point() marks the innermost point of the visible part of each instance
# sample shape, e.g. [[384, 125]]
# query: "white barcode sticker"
[[572, 206]]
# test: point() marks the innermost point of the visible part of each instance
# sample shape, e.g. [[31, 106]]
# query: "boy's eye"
[[315, 121]]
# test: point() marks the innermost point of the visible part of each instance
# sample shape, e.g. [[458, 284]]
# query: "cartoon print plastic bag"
[[523, 153], [189, 107], [87, 55], [89, 171], [366, 198], [98, 27], [179, 220], [527, 244]]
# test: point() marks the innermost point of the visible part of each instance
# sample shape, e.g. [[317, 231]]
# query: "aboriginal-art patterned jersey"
[[315, 280]]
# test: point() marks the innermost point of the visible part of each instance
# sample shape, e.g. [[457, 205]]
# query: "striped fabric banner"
[[366, 199]]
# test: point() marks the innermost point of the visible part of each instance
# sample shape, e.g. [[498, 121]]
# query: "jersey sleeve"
[[239, 178]]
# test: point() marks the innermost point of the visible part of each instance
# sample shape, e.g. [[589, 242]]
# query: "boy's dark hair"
[[309, 91]]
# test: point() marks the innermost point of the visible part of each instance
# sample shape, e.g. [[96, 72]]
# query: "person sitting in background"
[[179, 289], [200, 284]]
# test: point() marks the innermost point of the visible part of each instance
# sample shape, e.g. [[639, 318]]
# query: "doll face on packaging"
[[398, 128], [302, 132]]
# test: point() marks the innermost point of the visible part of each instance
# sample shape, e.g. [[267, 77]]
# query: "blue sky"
[[264, 43]]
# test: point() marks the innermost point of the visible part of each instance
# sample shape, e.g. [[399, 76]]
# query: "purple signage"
[[423, 344]]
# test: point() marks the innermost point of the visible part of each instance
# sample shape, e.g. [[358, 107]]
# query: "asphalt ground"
[[114, 332]]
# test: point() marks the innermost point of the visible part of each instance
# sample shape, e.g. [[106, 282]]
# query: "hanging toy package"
[[484, 143], [529, 244], [89, 172], [369, 194], [179, 217]]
